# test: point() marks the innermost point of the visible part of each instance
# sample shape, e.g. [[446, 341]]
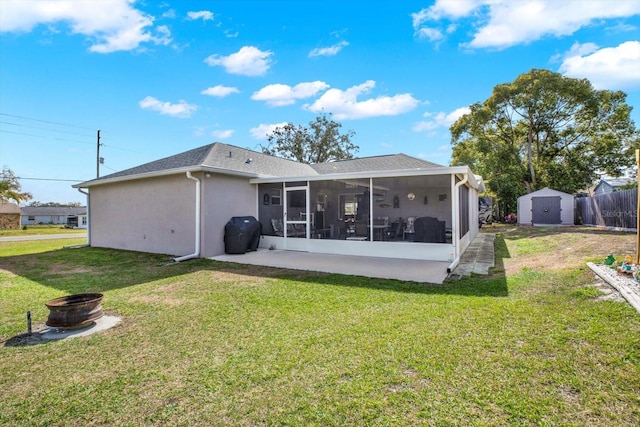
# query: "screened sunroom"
[[411, 214]]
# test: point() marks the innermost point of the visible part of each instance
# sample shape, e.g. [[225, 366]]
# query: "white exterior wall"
[[223, 197], [148, 215], [525, 205]]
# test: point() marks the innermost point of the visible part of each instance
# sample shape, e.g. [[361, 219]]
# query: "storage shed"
[[546, 207]]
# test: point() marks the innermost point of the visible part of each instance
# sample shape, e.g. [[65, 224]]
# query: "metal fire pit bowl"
[[74, 311]]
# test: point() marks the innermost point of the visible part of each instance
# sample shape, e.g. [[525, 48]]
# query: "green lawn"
[[208, 343], [32, 230]]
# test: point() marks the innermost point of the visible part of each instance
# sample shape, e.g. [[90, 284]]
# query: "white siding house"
[[55, 215]]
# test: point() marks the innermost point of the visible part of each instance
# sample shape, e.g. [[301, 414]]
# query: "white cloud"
[[504, 23], [170, 14], [262, 130], [278, 95], [199, 131], [328, 51], [112, 26], [345, 105], [440, 120], [222, 134], [205, 15], [431, 34], [248, 61], [607, 68], [220, 91], [182, 109]]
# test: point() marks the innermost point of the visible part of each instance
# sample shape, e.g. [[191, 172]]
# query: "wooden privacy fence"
[[618, 209]]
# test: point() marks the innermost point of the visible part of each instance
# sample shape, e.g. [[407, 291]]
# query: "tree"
[[545, 130], [10, 188], [38, 204], [320, 142]]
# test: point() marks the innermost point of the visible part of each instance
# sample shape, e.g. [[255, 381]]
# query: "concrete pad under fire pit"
[[99, 325]]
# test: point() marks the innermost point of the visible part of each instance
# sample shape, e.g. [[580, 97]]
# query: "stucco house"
[[75, 217], [393, 206], [9, 216]]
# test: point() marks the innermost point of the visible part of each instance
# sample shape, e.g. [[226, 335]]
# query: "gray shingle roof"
[[53, 210], [220, 156], [241, 160], [389, 162]]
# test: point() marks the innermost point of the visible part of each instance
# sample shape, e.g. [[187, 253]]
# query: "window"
[[276, 197]]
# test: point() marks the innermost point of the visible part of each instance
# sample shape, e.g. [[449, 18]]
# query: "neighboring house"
[[9, 216], [179, 205], [546, 207], [62, 215], [608, 185]]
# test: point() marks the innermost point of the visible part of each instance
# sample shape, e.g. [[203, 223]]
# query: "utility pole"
[[98, 157], [638, 208]]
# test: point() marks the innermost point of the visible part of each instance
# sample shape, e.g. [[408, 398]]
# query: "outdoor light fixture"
[[411, 196], [249, 161]]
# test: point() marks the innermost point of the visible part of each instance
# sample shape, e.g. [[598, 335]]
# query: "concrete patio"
[[477, 259]]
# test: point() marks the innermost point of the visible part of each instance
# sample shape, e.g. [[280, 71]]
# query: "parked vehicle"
[[485, 210]]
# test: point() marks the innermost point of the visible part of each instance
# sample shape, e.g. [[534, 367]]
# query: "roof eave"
[[165, 172], [457, 170]]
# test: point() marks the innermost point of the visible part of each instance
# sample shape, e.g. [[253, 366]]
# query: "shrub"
[[511, 218]]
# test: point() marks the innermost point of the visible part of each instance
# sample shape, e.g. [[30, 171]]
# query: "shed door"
[[545, 210]]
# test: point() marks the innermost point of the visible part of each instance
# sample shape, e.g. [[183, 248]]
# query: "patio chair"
[[408, 229], [361, 229], [278, 229], [292, 229]]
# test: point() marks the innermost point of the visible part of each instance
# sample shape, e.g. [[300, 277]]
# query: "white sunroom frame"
[[448, 252]]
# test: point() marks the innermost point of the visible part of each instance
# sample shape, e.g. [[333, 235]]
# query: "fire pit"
[[74, 311]]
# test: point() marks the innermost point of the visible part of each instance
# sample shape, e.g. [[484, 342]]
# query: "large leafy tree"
[[10, 188], [545, 130], [320, 142]]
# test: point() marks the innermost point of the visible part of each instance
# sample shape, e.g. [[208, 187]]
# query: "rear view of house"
[[372, 206]]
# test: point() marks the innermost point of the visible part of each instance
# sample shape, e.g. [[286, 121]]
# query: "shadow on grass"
[[89, 269]]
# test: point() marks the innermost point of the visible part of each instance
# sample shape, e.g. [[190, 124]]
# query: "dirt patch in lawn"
[[66, 269], [558, 248]]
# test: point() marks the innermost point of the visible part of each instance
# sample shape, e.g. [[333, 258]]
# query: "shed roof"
[[545, 192]]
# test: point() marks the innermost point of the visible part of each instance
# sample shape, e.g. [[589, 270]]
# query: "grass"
[[208, 343], [41, 229]]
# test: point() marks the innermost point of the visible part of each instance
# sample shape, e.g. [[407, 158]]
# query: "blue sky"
[[160, 78]]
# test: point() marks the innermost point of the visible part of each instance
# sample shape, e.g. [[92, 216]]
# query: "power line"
[[47, 129], [45, 121], [46, 137], [50, 179]]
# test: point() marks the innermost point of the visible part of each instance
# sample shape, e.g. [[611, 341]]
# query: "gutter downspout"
[[196, 253], [88, 225], [456, 228]]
